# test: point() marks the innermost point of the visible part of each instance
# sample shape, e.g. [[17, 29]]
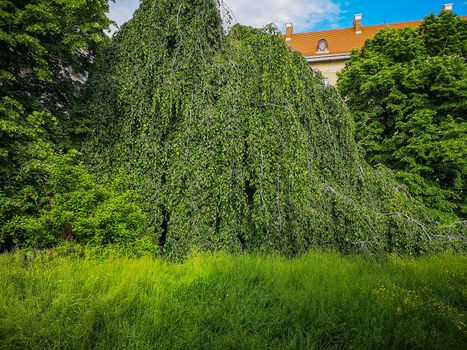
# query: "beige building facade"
[[329, 70]]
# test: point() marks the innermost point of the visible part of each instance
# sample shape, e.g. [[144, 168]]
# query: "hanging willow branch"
[[410, 219], [232, 136]]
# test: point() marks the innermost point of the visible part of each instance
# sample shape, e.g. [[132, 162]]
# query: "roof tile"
[[340, 41]]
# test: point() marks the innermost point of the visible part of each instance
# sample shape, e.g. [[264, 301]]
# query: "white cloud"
[[122, 10], [304, 14]]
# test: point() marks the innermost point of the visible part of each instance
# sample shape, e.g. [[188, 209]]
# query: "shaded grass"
[[320, 300]]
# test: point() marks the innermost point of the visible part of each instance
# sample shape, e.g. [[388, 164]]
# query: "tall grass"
[[321, 300]]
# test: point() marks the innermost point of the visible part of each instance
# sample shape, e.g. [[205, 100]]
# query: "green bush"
[[69, 203]]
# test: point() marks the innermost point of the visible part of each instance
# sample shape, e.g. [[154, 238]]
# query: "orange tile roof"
[[340, 41]]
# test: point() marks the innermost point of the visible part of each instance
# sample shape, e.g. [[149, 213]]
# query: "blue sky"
[[377, 12], [313, 15]]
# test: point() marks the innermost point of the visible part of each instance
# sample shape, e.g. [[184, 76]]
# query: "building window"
[[322, 46]]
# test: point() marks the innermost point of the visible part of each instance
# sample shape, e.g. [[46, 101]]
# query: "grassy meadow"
[[320, 300]]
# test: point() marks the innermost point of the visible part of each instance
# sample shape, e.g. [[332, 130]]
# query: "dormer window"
[[322, 46]]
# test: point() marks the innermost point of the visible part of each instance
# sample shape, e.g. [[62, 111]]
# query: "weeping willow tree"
[[235, 144]]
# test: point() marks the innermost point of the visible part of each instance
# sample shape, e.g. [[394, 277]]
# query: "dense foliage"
[[72, 205], [235, 144], [407, 93], [46, 49]]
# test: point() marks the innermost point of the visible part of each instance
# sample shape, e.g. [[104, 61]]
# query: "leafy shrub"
[[69, 203]]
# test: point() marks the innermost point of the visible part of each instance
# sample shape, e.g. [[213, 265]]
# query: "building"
[[328, 50]]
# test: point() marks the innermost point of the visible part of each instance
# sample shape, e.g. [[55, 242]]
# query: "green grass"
[[321, 300]]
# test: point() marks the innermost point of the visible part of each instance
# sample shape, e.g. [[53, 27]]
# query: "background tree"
[[46, 50], [407, 90]]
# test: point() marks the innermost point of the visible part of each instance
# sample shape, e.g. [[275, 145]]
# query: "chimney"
[[447, 7], [288, 31], [357, 24]]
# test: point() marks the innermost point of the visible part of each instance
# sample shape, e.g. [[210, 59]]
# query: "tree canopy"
[[235, 144], [46, 50], [406, 90]]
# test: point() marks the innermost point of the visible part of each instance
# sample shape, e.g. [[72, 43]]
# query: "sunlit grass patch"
[[319, 300]]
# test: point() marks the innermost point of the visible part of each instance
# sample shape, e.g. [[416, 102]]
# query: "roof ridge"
[[370, 26]]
